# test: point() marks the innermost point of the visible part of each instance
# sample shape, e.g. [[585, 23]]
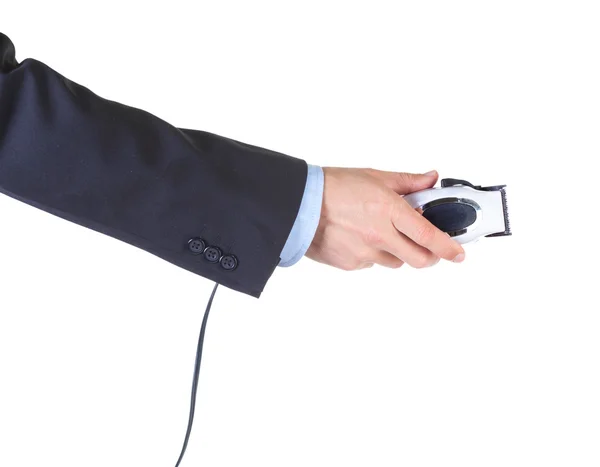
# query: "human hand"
[[365, 221]]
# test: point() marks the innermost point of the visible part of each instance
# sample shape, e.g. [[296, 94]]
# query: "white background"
[[492, 362]]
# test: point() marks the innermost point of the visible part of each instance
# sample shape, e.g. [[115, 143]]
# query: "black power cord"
[[196, 376]]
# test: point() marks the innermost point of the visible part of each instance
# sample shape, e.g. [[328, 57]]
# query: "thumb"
[[404, 183]]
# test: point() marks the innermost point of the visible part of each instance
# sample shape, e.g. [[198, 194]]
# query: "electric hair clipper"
[[464, 211]]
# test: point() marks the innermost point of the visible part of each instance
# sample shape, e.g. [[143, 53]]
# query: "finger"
[[404, 183], [404, 249], [424, 233]]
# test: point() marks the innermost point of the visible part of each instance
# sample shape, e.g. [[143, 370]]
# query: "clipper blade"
[[507, 230]]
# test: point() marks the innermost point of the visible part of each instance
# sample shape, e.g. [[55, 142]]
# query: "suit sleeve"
[[127, 174]]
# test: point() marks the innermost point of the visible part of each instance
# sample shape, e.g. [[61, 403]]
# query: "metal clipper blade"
[[507, 230]]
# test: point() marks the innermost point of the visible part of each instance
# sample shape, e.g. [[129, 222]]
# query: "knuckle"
[[425, 234], [373, 237], [403, 180], [351, 265], [363, 256], [421, 261], [396, 209]]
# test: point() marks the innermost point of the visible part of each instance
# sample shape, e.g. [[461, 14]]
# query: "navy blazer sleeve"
[[126, 173]]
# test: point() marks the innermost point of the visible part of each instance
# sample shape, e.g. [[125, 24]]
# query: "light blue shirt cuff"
[[307, 221]]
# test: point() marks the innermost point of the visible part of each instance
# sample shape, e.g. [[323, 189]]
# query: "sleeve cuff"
[[307, 221]]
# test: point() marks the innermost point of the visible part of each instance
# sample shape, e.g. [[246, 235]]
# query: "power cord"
[[196, 376]]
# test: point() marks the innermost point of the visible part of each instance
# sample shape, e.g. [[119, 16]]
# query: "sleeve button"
[[212, 254], [196, 245], [229, 262]]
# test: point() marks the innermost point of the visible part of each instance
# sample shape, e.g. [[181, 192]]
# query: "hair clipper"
[[464, 211]]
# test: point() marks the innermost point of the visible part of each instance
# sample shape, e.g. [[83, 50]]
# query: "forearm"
[[126, 173]]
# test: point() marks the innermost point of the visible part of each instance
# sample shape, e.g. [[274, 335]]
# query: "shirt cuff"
[[307, 221]]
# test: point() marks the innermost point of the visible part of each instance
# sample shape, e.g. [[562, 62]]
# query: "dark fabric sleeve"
[[126, 173]]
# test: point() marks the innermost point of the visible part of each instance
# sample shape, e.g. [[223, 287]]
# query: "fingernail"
[[431, 173], [459, 258]]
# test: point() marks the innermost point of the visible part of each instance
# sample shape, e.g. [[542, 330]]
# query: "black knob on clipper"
[[451, 217]]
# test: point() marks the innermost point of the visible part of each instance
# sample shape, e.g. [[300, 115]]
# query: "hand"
[[365, 221]]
